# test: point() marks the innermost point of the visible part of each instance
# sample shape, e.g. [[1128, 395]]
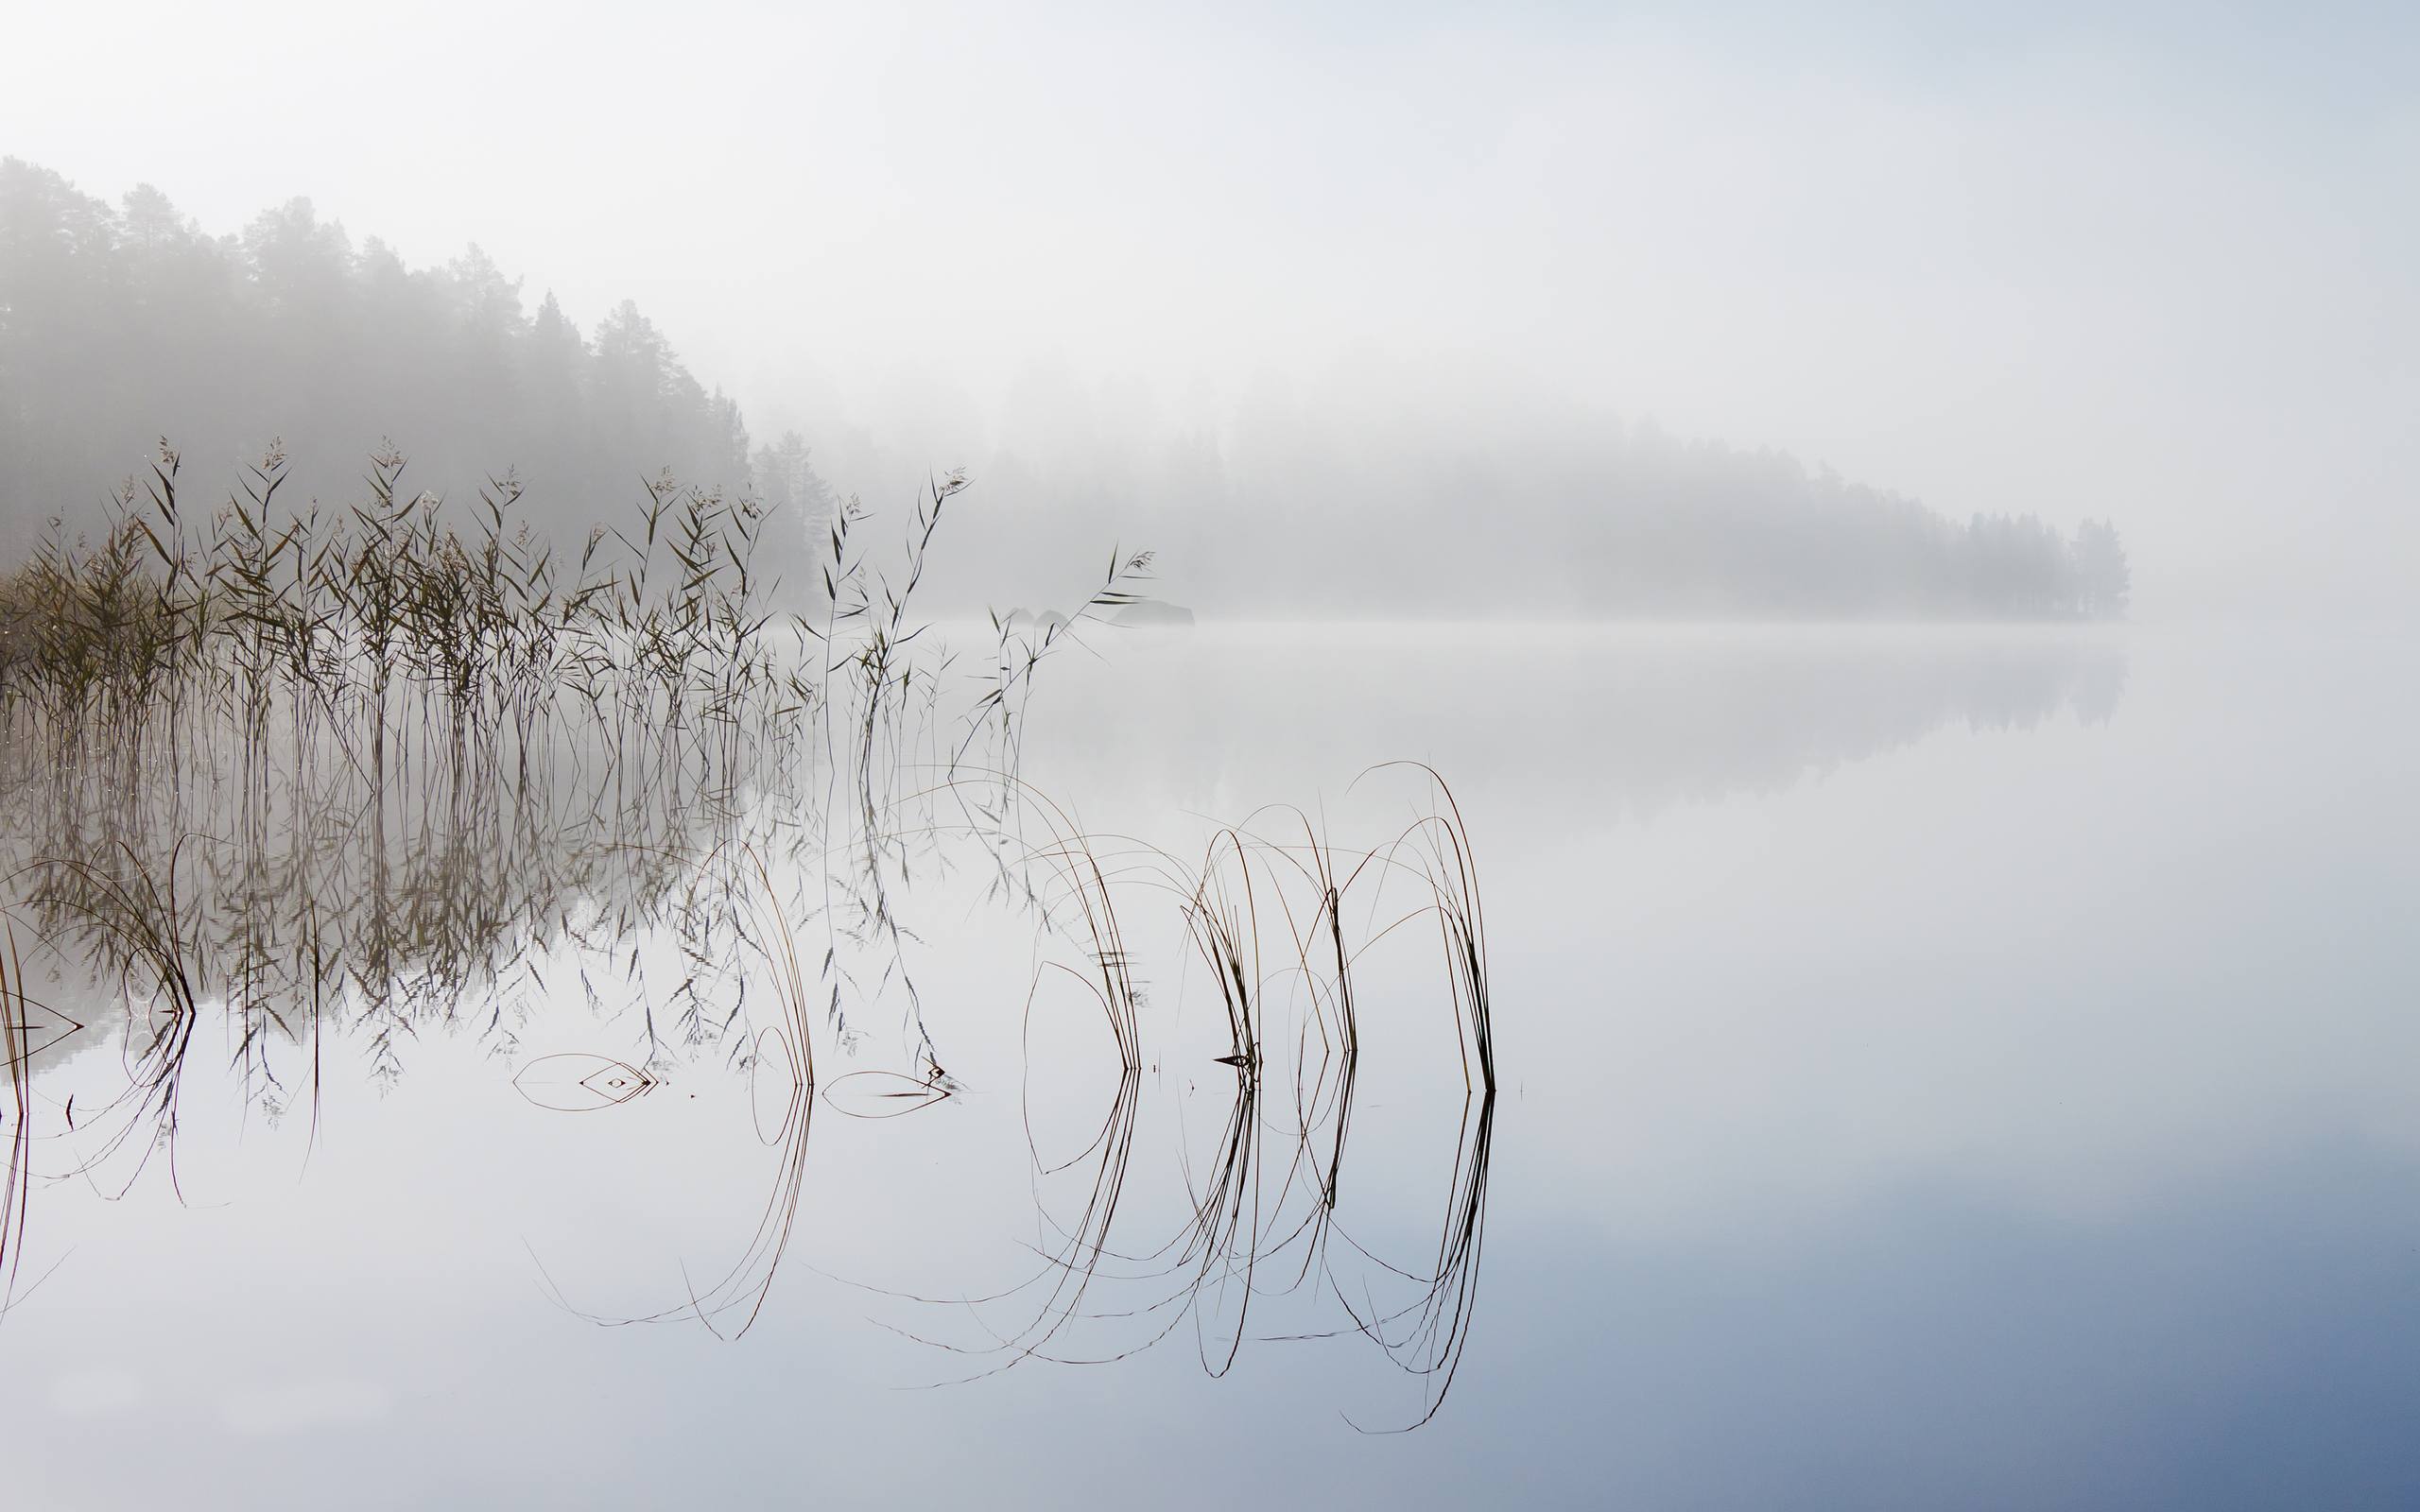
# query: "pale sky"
[[2154, 265]]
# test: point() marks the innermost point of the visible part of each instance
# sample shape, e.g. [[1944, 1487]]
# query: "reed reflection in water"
[[748, 891]]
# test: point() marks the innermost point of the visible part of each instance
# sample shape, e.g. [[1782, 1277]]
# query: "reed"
[[1278, 922], [16, 1061], [342, 775]]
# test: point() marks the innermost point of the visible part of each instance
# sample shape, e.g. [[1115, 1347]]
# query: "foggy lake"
[[1649, 756], [1922, 1059]]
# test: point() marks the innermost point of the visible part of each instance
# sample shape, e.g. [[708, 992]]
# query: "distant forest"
[[1291, 512], [120, 325]]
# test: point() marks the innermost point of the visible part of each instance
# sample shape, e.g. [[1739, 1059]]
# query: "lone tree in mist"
[[2104, 583]]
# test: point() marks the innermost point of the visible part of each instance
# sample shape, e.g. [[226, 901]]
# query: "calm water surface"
[[1946, 1068]]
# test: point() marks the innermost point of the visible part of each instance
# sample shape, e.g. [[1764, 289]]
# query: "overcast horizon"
[[2092, 266], [2149, 269]]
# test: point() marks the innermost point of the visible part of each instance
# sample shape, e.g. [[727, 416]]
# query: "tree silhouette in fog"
[[2103, 583], [121, 326]]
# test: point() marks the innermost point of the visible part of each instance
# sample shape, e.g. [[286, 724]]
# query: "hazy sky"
[[2156, 266]]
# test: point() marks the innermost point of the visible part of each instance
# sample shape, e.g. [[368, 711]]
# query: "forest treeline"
[[1296, 509], [124, 324], [121, 326]]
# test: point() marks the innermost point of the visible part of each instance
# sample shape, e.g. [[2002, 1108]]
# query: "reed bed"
[[391, 635], [348, 774], [395, 747], [332, 777]]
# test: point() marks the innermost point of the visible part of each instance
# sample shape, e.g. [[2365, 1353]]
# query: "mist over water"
[[1879, 1023], [1280, 757]]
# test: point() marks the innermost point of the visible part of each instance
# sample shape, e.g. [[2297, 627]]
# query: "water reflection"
[[324, 922], [1254, 1076], [1290, 932], [1640, 717]]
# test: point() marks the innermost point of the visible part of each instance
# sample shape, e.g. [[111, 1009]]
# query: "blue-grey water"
[[1936, 1068]]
